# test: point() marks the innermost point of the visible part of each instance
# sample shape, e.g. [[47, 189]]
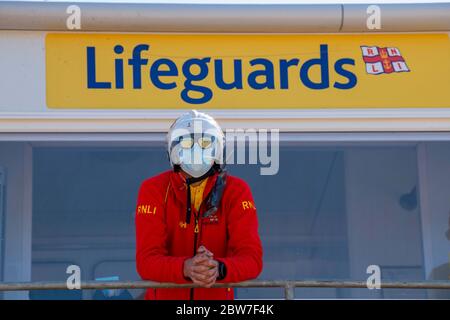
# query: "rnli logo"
[[146, 209], [383, 60], [246, 205]]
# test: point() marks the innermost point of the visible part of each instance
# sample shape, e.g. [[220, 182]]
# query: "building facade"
[[358, 162]]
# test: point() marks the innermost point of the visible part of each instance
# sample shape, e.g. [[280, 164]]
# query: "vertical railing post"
[[289, 291]]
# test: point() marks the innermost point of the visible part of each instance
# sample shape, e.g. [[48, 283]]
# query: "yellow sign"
[[149, 71]]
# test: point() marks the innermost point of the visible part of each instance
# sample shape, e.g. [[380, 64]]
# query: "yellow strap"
[[167, 192]]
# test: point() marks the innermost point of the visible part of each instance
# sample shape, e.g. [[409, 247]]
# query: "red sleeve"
[[152, 259], [244, 255]]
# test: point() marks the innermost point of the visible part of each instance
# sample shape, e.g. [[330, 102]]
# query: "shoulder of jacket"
[[157, 182], [236, 183]]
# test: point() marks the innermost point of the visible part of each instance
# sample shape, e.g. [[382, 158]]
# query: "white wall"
[[22, 59]]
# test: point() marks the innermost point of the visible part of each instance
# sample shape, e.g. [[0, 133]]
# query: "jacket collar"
[[178, 183]]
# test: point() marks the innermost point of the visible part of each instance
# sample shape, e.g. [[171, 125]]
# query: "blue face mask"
[[196, 161]]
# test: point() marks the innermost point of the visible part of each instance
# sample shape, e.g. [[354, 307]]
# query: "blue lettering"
[[260, 76], [137, 62], [267, 73], [322, 62], [284, 72], [118, 63], [188, 86], [91, 76], [352, 80], [156, 73], [237, 82]]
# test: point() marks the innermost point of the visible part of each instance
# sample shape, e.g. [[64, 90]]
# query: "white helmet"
[[195, 142]]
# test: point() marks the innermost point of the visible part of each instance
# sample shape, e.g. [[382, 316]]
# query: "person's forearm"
[[241, 268], [161, 268]]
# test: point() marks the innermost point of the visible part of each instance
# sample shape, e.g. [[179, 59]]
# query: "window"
[[333, 209]]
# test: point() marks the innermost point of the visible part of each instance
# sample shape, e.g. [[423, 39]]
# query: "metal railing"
[[289, 286]]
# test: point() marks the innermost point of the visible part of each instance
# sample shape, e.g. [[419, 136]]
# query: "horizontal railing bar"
[[20, 286]]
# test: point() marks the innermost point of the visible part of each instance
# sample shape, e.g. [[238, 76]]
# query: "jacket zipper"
[[196, 231]]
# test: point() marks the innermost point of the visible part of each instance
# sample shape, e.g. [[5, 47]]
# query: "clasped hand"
[[202, 269]]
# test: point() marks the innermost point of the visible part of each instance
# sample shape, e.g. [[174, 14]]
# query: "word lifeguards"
[[193, 74]]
